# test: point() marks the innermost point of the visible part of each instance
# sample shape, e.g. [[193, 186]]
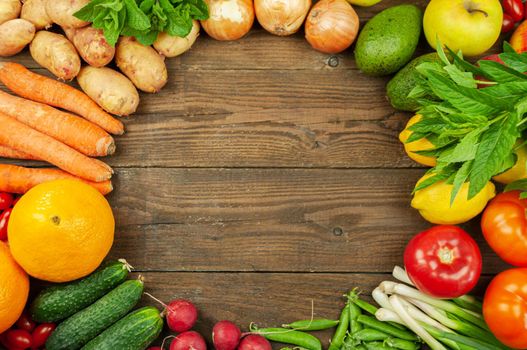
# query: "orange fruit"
[[14, 289], [61, 230]]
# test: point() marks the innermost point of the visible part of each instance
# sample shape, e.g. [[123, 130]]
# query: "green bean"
[[387, 328], [369, 308], [370, 335], [342, 329], [401, 344], [290, 336], [355, 326], [377, 345], [318, 324]]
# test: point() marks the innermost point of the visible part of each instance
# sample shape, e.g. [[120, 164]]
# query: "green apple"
[[471, 26]]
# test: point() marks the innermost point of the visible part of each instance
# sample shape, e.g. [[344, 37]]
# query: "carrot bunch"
[[32, 128]]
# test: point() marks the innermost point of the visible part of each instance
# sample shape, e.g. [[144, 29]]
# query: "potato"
[[55, 53], [110, 89], [15, 34], [34, 11], [91, 45], [9, 9], [61, 12], [172, 46], [141, 64]]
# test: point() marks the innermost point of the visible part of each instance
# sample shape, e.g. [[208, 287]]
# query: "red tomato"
[[19, 338], [41, 334], [507, 24], [4, 221], [25, 322], [6, 200], [505, 307], [504, 226], [514, 8], [443, 261]]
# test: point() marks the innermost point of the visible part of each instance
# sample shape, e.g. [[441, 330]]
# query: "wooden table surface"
[[263, 177]]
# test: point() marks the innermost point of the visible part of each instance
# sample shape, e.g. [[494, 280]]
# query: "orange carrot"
[[42, 89], [21, 137], [6, 152], [17, 179], [74, 131]]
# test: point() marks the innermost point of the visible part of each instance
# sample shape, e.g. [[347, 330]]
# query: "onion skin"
[[332, 26], [229, 19], [281, 17]]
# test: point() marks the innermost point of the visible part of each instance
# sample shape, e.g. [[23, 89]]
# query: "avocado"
[[388, 41], [404, 81]]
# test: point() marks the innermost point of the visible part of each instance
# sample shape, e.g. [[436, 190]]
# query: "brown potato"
[[9, 9], [61, 12], [110, 89], [172, 46], [15, 34], [141, 64], [34, 11], [91, 45], [55, 53]]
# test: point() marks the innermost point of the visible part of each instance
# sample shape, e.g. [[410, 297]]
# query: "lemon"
[[518, 171], [419, 145], [433, 202]]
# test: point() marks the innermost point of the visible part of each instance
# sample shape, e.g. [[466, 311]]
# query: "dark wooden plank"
[[266, 299], [268, 220]]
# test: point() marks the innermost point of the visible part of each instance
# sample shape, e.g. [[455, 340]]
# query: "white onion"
[[229, 19], [332, 26], [281, 17]]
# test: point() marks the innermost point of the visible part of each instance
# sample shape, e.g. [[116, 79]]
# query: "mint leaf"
[[499, 73], [519, 185], [459, 179], [464, 150], [461, 78], [444, 174], [515, 61], [88, 12], [507, 48], [135, 19], [496, 145]]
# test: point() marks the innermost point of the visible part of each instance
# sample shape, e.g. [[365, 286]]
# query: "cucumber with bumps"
[[60, 302], [86, 324], [134, 332]]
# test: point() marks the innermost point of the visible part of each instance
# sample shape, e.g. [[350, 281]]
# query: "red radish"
[[226, 335], [6, 200], [254, 342], [190, 340], [181, 315], [41, 334], [25, 322], [19, 338]]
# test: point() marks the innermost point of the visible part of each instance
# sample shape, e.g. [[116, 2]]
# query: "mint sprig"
[[473, 129]]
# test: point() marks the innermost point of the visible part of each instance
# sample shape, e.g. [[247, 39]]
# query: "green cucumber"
[[60, 302], [133, 332], [86, 324]]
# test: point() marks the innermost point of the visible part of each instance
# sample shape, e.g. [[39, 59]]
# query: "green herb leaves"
[[473, 129], [143, 19]]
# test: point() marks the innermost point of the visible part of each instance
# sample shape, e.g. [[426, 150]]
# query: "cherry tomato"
[[6, 200], [19, 338], [4, 221], [507, 24], [41, 334], [505, 307], [25, 322], [443, 261], [504, 226], [514, 8]]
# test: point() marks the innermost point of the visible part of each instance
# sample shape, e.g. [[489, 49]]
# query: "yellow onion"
[[332, 26], [281, 17], [229, 19]]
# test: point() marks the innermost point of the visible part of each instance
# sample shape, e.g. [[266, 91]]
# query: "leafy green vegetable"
[[473, 130], [143, 19]]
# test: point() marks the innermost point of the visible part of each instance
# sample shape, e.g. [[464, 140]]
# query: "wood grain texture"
[[268, 219], [268, 299]]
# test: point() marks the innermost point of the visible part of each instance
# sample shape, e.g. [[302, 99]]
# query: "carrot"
[[42, 89], [74, 131], [21, 137], [17, 179], [6, 152]]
